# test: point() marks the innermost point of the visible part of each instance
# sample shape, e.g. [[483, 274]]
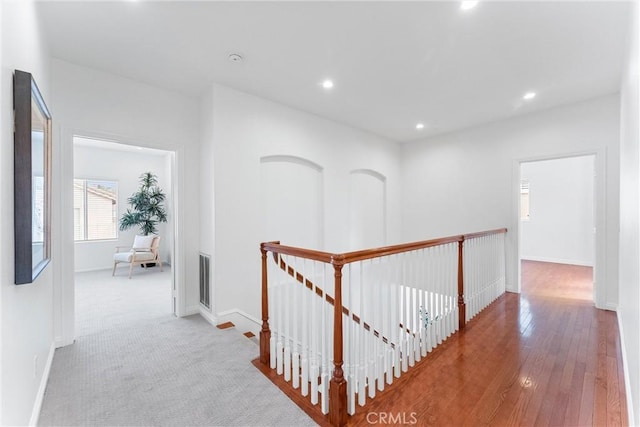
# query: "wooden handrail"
[[470, 236], [349, 257], [276, 247]]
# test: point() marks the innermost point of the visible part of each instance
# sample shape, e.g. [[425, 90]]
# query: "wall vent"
[[205, 263]]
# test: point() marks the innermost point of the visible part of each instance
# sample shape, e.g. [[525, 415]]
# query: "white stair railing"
[[484, 271], [340, 327]]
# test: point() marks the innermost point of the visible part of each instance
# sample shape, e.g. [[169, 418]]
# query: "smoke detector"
[[235, 57]]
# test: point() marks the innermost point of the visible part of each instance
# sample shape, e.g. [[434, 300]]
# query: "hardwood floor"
[[557, 280], [535, 359]]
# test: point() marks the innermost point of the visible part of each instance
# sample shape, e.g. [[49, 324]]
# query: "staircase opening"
[[340, 328]]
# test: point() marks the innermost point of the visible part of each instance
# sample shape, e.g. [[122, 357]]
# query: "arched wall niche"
[[292, 201]]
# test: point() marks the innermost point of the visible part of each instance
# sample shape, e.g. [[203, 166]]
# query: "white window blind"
[[95, 209]]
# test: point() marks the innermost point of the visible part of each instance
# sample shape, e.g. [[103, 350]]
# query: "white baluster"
[[315, 374], [314, 368], [349, 326], [410, 325], [273, 313], [371, 356], [295, 355], [304, 361], [362, 381], [287, 329], [280, 343], [389, 321], [395, 319], [351, 394], [324, 346]]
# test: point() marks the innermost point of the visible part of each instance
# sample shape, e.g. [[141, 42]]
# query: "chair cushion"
[[143, 242], [128, 256]]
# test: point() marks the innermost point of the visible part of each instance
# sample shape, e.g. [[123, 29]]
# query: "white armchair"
[[145, 250]]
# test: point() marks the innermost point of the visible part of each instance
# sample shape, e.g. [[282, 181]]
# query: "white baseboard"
[[60, 342], [110, 267], [37, 405], [89, 270], [244, 321], [556, 260], [208, 316], [625, 368], [611, 306]]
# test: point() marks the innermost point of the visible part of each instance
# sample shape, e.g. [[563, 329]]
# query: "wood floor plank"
[[587, 400], [613, 394]]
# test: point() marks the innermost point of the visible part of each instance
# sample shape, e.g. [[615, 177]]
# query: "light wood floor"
[[545, 357]]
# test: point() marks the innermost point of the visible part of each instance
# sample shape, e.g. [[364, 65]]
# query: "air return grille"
[[205, 262]]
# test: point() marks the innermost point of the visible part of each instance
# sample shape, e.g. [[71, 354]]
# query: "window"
[[524, 200], [95, 210]]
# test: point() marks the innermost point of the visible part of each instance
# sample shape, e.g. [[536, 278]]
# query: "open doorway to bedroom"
[[110, 295], [557, 227]]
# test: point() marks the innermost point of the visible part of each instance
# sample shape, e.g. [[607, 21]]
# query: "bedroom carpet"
[[135, 364]]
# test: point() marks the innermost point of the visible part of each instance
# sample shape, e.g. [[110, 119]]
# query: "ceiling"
[[394, 64]]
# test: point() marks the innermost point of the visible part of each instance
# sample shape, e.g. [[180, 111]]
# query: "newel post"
[[265, 333], [337, 385], [462, 309]]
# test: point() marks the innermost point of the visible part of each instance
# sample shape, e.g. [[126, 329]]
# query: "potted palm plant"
[[147, 207]]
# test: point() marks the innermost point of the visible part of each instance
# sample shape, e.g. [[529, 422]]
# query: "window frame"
[[85, 232], [525, 188]]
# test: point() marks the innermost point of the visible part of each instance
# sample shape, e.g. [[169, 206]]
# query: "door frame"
[[600, 219], [64, 286]]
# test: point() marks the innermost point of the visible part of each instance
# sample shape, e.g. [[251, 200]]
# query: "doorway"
[[557, 227], [106, 174]]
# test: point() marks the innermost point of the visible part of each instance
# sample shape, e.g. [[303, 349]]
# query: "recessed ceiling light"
[[420, 126], [327, 84], [467, 5], [235, 57], [529, 95]]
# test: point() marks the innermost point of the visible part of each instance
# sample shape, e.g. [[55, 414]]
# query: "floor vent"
[[205, 262]]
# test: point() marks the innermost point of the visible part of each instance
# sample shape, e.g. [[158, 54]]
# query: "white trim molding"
[[625, 369], [207, 316], [37, 405], [556, 260], [244, 321]]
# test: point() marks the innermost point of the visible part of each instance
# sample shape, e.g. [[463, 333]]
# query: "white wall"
[[629, 311], [104, 106], [247, 129], [468, 180], [125, 168], [560, 226], [26, 311]]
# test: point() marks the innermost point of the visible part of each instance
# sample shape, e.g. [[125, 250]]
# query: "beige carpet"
[[135, 364]]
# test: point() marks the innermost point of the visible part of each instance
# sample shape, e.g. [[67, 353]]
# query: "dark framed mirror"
[[32, 179]]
